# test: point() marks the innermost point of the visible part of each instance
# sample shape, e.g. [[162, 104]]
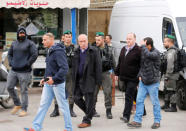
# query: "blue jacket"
[[56, 63]]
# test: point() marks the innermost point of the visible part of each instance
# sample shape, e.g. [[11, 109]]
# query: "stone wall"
[[98, 21]]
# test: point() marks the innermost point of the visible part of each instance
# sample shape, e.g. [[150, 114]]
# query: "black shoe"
[[72, 113], [155, 125], [108, 113], [124, 119], [166, 105], [172, 108], [55, 112], [96, 114], [134, 124]]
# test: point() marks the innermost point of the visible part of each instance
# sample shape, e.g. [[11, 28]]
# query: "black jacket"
[[70, 54], [107, 58], [129, 65], [56, 63], [22, 54], [92, 70], [150, 66]]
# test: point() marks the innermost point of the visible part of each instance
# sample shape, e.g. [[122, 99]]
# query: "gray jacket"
[[171, 56], [150, 64]]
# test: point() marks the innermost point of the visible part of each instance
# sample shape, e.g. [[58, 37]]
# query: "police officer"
[[108, 63], [171, 74], [69, 53]]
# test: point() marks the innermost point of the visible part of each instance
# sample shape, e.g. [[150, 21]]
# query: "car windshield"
[[181, 21]]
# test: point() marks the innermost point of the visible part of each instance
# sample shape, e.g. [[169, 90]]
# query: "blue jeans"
[[143, 90], [49, 91]]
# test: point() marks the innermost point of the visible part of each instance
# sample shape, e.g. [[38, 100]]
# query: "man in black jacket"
[[127, 70], [149, 77], [21, 55], [86, 73]]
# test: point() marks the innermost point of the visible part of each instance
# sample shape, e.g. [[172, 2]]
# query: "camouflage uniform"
[[171, 76]]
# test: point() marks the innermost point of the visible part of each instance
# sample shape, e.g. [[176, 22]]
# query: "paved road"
[[170, 121]]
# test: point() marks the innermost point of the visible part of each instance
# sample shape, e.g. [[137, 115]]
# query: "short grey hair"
[[133, 34], [84, 35], [49, 35]]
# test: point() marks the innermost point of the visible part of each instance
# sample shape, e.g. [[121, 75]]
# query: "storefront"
[[41, 16]]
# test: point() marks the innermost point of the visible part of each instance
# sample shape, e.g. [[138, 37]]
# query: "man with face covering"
[[21, 55]]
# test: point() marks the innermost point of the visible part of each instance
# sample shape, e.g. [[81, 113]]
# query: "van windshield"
[[181, 21]]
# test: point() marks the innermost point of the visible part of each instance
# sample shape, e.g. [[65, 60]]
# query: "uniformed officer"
[[69, 53], [171, 74], [108, 63]]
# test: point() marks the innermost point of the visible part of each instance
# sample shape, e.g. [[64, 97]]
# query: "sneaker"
[[15, 110], [28, 129], [22, 113], [155, 125], [134, 124]]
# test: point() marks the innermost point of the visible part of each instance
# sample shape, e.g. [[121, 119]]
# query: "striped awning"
[[45, 3]]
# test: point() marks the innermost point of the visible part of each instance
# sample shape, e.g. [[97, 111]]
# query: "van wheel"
[[181, 94]]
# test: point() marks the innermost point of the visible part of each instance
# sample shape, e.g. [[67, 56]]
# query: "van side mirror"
[[123, 42]]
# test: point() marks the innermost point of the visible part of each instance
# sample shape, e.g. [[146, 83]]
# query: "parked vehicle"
[[152, 18], [5, 99]]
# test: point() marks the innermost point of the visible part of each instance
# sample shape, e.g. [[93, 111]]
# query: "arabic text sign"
[[45, 3]]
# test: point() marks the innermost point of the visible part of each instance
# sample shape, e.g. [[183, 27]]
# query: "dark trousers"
[[131, 88], [86, 104]]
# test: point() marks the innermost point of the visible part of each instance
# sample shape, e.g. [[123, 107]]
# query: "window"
[[168, 28]]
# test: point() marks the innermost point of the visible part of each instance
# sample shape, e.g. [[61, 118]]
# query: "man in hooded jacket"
[[21, 55], [54, 84]]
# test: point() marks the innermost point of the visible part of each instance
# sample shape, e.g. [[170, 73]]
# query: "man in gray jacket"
[[21, 55], [171, 74], [149, 77]]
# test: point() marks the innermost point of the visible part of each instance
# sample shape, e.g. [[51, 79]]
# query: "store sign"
[[45, 3], [31, 29], [10, 37]]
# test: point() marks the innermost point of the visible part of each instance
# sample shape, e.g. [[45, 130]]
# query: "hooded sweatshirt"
[[22, 54], [56, 63]]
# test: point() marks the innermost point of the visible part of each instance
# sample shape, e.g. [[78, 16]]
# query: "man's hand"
[[116, 78], [41, 82], [50, 81], [142, 42]]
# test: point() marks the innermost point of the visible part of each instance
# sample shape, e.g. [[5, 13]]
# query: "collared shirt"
[[129, 48], [83, 50]]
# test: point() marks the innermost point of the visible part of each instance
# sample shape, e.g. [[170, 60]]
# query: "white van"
[[151, 18]]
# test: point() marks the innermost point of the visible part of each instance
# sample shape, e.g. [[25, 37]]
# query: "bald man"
[[86, 73]]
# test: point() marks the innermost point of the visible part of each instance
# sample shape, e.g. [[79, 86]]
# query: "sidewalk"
[[170, 121]]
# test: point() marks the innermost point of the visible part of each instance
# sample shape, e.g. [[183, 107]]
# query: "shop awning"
[[45, 3]]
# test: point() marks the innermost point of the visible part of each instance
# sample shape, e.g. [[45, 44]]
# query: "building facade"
[[41, 16], [99, 17]]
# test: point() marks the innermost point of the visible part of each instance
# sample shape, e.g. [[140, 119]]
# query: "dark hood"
[[56, 46], [20, 29]]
